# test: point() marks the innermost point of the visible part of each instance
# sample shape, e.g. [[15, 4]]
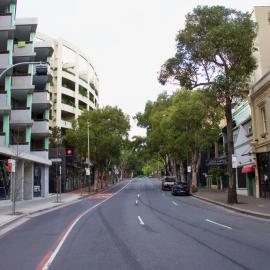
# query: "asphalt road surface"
[[159, 231]]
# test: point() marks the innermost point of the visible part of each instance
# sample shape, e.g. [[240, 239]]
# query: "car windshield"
[[170, 179]]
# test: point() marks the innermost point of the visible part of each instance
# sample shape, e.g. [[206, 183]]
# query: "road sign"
[[87, 171], [56, 160], [188, 168], [11, 165]]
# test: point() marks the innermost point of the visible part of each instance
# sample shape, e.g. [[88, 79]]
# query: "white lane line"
[[174, 203], [213, 222], [66, 234], [141, 221]]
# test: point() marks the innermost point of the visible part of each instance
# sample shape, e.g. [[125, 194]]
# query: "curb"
[[233, 208], [54, 207]]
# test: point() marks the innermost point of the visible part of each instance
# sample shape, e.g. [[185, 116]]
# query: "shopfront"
[[264, 174]]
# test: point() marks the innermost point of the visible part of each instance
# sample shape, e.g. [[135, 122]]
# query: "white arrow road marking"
[[213, 222], [141, 221], [174, 203]]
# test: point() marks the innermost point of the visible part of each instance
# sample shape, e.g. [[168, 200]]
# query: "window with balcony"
[[68, 84], [68, 100], [17, 136], [17, 104], [91, 97], [82, 91], [38, 144], [1, 124], [38, 116], [82, 106]]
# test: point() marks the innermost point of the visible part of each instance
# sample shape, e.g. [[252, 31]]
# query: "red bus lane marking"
[[51, 254]]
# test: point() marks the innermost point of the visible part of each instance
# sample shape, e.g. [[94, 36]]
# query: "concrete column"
[[45, 181], [28, 181]]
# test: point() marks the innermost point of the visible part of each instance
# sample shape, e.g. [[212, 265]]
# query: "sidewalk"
[[246, 204], [24, 208]]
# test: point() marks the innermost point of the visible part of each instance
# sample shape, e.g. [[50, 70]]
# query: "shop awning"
[[248, 168]]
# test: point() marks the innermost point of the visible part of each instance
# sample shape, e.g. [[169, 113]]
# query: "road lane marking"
[[174, 203], [213, 222], [52, 253], [141, 221], [138, 195]]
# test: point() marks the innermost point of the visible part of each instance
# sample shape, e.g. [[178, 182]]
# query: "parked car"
[[180, 188], [168, 182]]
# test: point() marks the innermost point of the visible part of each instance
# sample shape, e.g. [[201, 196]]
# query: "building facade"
[[259, 100], [24, 106], [243, 161], [75, 84]]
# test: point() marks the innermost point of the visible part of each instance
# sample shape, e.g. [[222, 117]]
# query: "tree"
[[215, 52], [156, 140], [193, 123], [108, 129]]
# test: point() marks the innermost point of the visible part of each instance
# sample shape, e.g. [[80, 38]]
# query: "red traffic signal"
[[69, 152]]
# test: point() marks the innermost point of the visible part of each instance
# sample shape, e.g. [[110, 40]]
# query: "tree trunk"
[[194, 160], [182, 171], [232, 195]]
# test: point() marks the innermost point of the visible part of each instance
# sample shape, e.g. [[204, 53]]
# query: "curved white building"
[[75, 84]]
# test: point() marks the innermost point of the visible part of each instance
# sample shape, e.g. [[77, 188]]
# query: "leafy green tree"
[[156, 140], [108, 129], [194, 125], [215, 51]]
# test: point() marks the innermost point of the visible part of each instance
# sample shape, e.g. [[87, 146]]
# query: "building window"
[[68, 84], [242, 182], [17, 136], [264, 123], [1, 123]]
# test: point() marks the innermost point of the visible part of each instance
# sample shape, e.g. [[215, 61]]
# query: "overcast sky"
[[127, 40]]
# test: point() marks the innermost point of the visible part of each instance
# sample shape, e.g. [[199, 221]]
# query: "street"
[[111, 231]]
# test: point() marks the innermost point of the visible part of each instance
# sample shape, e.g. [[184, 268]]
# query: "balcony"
[[23, 52], [2, 139], [42, 153], [40, 128], [21, 85], [40, 81], [6, 22], [24, 28], [41, 101], [43, 50], [4, 60], [21, 117], [20, 148], [4, 108]]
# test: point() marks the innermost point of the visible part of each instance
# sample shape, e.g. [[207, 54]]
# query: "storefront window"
[[264, 173], [242, 181]]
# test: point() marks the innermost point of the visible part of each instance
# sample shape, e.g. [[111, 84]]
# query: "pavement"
[[39, 205], [258, 207], [110, 231]]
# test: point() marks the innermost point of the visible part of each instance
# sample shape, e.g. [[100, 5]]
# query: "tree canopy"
[[215, 52]]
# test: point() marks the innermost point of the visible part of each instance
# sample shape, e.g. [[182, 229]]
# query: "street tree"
[[108, 129], [215, 52], [193, 124], [156, 139]]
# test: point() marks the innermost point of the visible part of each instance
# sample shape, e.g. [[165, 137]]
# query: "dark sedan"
[[180, 188]]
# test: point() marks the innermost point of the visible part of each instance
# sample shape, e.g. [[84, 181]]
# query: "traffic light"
[[69, 155], [69, 152]]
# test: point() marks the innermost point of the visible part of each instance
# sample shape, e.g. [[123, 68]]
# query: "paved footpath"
[[25, 208], [246, 204]]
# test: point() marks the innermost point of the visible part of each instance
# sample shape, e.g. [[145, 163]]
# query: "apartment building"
[[24, 106], [75, 84], [259, 100]]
